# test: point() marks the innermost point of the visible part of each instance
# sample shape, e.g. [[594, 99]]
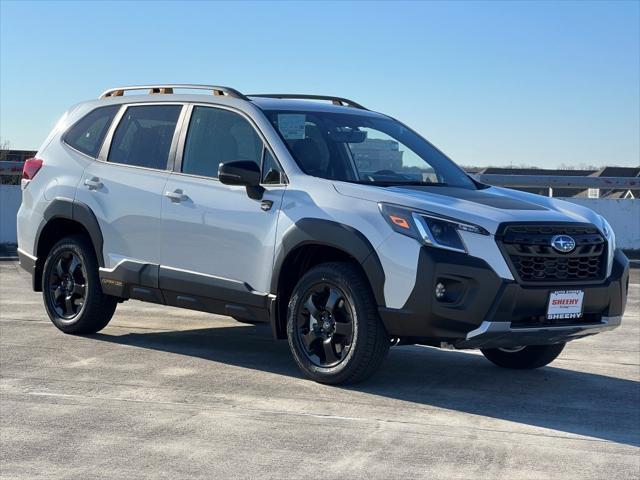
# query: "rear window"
[[143, 136], [87, 135]]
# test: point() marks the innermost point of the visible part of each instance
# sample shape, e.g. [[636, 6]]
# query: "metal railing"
[[553, 181]]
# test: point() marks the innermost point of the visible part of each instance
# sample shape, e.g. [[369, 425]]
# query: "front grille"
[[533, 260]]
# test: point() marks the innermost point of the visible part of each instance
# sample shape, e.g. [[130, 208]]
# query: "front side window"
[[218, 136], [271, 171], [363, 148], [87, 135], [143, 136]]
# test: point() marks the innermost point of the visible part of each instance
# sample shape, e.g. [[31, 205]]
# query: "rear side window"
[[143, 136], [218, 136], [87, 135]]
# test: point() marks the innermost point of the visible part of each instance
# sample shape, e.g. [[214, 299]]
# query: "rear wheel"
[[71, 288], [333, 327], [533, 356]]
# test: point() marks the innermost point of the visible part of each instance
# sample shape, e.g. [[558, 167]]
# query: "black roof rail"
[[169, 88], [335, 100]]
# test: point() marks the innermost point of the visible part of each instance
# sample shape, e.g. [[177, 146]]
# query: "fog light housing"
[[450, 290]]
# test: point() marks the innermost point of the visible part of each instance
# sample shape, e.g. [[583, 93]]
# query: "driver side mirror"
[[240, 172]]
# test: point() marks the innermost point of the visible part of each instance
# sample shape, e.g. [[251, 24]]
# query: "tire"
[[333, 305], [534, 356], [71, 288]]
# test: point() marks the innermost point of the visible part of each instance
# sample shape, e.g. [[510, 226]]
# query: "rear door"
[[124, 186], [217, 241]]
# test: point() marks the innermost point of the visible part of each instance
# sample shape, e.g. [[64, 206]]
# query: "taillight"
[[31, 167]]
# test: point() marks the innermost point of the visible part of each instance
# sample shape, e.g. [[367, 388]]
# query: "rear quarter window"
[[88, 133]]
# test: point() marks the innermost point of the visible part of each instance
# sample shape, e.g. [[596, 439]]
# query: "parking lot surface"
[[168, 393]]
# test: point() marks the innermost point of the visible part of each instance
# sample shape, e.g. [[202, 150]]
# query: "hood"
[[488, 207]]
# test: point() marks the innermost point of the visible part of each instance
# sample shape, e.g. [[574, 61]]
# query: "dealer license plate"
[[565, 304]]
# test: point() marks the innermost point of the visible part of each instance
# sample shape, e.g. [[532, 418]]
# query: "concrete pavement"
[[168, 393]]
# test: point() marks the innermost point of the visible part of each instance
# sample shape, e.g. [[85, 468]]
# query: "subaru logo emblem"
[[563, 243]]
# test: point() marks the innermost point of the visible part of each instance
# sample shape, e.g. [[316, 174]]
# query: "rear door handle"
[[93, 183], [177, 196]]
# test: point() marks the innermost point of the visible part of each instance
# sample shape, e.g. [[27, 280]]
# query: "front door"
[[217, 242]]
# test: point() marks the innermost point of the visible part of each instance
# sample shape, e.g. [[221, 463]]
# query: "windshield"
[[364, 149]]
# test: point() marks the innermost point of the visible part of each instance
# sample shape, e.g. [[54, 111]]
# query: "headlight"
[[428, 228], [607, 231]]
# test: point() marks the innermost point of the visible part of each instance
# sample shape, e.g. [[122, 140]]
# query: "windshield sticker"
[[291, 125]]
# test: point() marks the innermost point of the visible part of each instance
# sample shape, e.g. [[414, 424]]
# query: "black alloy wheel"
[[325, 325], [71, 290], [67, 285]]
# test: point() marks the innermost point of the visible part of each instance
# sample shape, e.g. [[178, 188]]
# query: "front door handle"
[[93, 183], [177, 196]]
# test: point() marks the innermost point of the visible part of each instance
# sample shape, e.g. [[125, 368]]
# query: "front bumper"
[[482, 310]]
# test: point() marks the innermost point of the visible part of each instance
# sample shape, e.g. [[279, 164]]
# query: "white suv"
[[341, 227]]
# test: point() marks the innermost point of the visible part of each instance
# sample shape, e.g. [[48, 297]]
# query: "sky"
[[544, 84]]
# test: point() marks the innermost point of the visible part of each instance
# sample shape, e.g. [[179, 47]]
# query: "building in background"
[[16, 155], [623, 172], [11, 165], [629, 172], [376, 154]]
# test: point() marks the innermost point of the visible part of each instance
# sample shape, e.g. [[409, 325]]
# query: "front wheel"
[[522, 358], [334, 330]]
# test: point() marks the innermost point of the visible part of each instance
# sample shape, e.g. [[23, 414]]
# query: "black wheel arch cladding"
[[68, 209], [320, 232]]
